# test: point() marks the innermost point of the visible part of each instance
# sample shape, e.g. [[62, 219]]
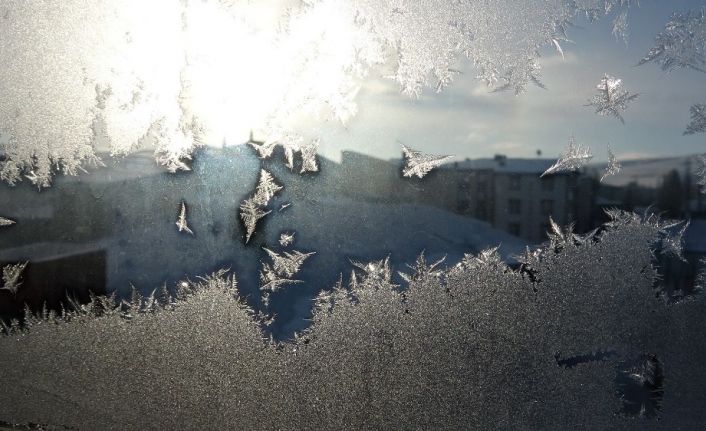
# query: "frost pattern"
[[682, 44], [291, 144], [501, 38], [488, 258], [641, 386], [308, 152], [252, 208], [613, 166], [11, 275], [266, 188], [701, 171], [6, 221], [620, 27], [672, 239], [281, 271], [378, 357], [125, 76], [181, 222], [251, 213], [611, 99], [423, 270], [575, 157], [560, 238], [698, 120], [416, 163], [286, 239], [373, 275]]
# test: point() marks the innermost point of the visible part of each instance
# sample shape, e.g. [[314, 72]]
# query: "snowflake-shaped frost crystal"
[[575, 157], [251, 212], [422, 270], [681, 44], [418, 164], [698, 119], [286, 239], [11, 275], [613, 166], [611, 99], [281, 271]]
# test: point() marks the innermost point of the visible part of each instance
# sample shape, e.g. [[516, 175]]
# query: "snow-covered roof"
[[505, 165]]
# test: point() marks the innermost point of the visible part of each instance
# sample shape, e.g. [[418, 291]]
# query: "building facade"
[[510, 195]]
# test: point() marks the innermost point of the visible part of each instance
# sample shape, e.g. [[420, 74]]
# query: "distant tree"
[[670, 197]]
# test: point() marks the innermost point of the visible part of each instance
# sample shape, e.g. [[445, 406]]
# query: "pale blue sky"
[[468, 121]]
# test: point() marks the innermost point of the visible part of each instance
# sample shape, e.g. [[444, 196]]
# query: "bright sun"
[[242, 76]]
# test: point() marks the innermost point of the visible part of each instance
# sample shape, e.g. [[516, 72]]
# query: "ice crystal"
[[416, 163], [271, 282], [701, 171], [281, 271], [375, 274], [500, 38], [6, 221], [284, 206], [287, 264], [266, 189], [613, 166], [264, 149], [611, 99], [181, 222], [682, 44], [250, 213], [672, 240], [620, 27], [560, 238], [291, 144], [252, 209], [575, 157], [286, 239], [698, 120], [11, 275], [422, 270], [308, 152], [485, 259]]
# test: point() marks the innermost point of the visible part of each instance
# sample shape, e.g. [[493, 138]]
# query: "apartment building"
[[509, 194]]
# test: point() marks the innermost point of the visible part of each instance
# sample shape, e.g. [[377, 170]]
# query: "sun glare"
[[243, 76]]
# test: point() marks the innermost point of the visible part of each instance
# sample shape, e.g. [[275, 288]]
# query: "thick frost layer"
[[576, 335]]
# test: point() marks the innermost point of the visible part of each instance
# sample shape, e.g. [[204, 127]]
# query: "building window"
[[515, 182], [547, 206], [514, 206]]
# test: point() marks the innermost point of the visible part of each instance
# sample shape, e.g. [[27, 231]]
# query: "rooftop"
[[501, 163]]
